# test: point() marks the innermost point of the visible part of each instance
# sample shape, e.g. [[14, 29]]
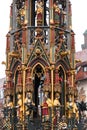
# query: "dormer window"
[[85, 68], [78, 68]]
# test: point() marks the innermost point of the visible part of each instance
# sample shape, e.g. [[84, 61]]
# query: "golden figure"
[[48, 100], [72, 108], [56, 100], [19, 106], [39, 7]]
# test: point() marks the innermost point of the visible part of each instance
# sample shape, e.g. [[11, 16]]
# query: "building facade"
[[40, 66], [1, 96], [81, 72]]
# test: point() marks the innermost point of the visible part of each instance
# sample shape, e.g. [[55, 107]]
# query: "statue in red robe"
[[39, 11]]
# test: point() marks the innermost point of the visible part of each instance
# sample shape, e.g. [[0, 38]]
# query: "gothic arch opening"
[[62, 76], [38, 80]]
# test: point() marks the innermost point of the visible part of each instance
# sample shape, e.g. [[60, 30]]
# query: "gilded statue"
[[19, 106], [48, 100], [56, 100], [72, 108], [39, 7]]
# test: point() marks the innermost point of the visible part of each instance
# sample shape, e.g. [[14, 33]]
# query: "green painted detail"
[[14, 62], [65, 58], [43, 54], [53, 52]]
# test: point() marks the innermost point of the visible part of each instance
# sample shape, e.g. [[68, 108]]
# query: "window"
[[1, 94], [85, 68]]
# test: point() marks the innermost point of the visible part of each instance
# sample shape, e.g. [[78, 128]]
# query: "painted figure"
[[56, 104], [45, 110], [71, 108], [39, 12], [19, 106], [8, 106], [56, 12], [29, 105], [48, 100], [39, 8], [8, 102], [56, 100]]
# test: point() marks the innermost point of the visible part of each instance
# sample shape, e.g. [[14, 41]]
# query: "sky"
[[4, 28], [79, 21], [79, 25]]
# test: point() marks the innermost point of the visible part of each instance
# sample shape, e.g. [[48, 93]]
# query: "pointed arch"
[[15, 65], [63, 64], [16, 69], [38, 80], [62, 76], [38, 61]]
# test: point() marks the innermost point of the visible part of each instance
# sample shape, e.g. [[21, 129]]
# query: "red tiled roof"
[[81, 75], [81, 64], [81, 55]]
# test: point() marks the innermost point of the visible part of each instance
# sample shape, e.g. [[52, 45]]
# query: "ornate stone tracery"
[[40, 63]]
